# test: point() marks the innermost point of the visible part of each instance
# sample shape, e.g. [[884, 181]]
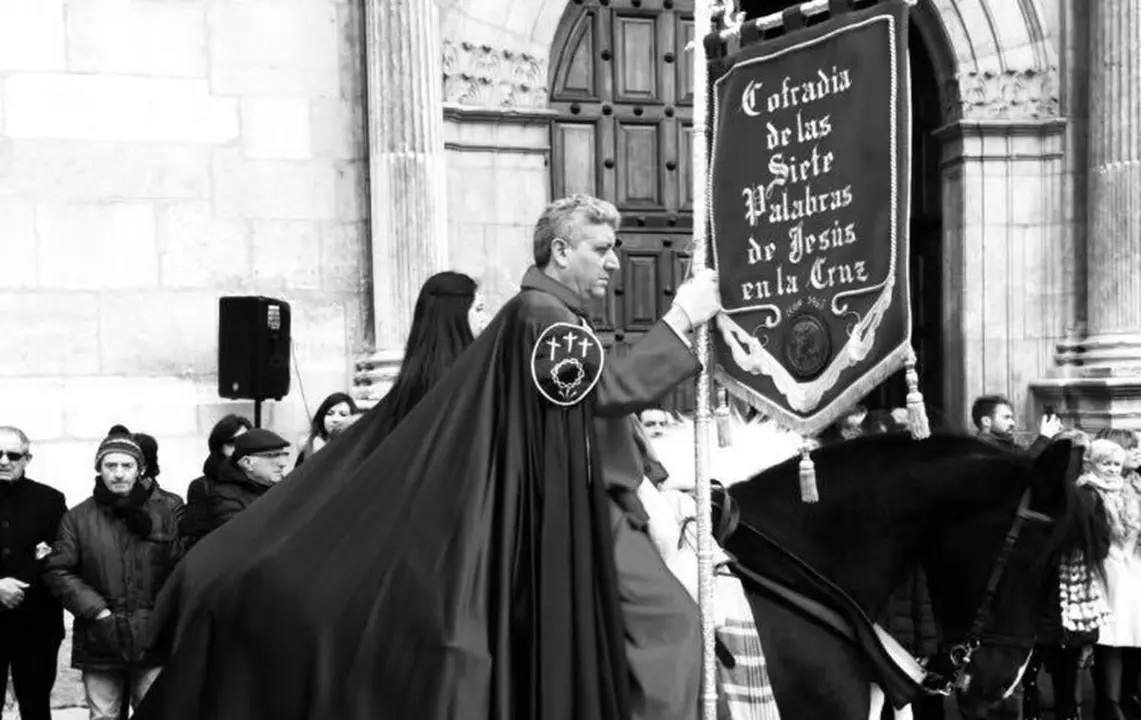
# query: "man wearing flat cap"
[[258, 463]]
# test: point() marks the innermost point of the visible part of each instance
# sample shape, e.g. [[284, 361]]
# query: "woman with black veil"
[[447, 316], [449, 313]]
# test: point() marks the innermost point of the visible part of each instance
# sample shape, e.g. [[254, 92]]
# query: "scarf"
[[1122, 508], [132, 509]]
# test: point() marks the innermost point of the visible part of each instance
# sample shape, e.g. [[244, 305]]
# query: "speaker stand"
[[257, 413]]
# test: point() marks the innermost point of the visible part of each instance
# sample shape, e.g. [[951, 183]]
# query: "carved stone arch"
[[993, 58]]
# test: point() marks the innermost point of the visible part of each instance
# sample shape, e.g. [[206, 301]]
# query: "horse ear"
[[1052, 470]]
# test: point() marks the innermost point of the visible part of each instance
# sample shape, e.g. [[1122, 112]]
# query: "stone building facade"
[[158, 154]]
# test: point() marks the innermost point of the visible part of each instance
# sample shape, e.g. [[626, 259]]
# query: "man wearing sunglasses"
[[31, 621]]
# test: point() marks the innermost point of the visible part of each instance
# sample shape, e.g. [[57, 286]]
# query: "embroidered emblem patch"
[[566, 363]]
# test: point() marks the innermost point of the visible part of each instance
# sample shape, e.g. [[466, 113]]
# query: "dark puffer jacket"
[[97, 563], [219, 499]]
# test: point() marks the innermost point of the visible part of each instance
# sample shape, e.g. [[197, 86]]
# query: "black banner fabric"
[[809, 193]]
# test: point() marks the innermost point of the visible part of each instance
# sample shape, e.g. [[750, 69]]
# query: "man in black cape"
[[486, 559]]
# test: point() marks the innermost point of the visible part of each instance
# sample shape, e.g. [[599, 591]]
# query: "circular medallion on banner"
[[566, 363], [808, 347]]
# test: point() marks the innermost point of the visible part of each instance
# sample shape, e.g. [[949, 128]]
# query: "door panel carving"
[[575, 148], [635, 59], [639, 166]]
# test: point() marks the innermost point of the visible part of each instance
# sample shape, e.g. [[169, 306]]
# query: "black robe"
[[456, 567]]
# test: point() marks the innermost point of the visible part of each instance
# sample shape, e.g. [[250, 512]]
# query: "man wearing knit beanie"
[[113, 553], [120, 461]]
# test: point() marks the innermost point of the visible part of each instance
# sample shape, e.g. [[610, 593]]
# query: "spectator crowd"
[[105, 560]]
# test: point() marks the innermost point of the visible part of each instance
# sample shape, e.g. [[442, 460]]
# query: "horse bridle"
[[946, 671]]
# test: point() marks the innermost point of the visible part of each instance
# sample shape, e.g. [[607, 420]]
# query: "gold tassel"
[[808, 490], [723, 419], [916, 408]]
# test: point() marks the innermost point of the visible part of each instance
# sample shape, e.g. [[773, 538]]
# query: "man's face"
[[587, 261], [14, 457], [1001, 422], [266, 467], [655, 422], [120, 472]]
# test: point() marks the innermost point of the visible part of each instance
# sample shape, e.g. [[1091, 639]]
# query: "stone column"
[[407, 175], [1103, 387], [1114, 224]]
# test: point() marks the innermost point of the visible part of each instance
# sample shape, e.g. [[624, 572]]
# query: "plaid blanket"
[[746, 692]]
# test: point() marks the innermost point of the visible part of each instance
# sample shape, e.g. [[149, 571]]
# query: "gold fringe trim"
[[836, 409]]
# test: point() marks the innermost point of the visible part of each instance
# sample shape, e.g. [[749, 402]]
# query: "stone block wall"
[[495, 59], [155, 156], [498, 183]]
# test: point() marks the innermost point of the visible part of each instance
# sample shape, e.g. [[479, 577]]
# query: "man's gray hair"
[[24, 441], [563, 217]]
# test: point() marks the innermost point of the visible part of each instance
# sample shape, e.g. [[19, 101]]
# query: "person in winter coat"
[[149, 446], [258, 463], [150, 479], [1112, 476], [1069, 627], [1131, 656], [221, 446], [31, 621], [113, 554]]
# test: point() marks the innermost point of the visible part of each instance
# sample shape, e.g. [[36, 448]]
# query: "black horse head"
[[988, 562], [890, 504]]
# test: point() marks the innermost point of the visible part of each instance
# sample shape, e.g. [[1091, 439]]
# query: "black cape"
[[457, 566]]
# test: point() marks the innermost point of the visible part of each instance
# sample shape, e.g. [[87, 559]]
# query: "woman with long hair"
[[334, 414], [449, 314]]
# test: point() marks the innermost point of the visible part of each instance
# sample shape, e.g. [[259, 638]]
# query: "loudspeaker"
[[253, 348]]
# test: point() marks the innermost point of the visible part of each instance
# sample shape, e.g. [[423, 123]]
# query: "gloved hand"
[[699, 298]]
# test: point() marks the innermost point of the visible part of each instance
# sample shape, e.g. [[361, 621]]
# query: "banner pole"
[[703, 23]]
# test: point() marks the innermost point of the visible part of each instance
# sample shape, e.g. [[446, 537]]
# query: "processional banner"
[[809, 204]]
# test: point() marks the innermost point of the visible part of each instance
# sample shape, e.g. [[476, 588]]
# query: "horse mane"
[[1076, 527], [760, 449], [1075, 521]]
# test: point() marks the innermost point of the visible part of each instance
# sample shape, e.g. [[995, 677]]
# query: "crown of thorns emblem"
[[563, 368], [566, 363]]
